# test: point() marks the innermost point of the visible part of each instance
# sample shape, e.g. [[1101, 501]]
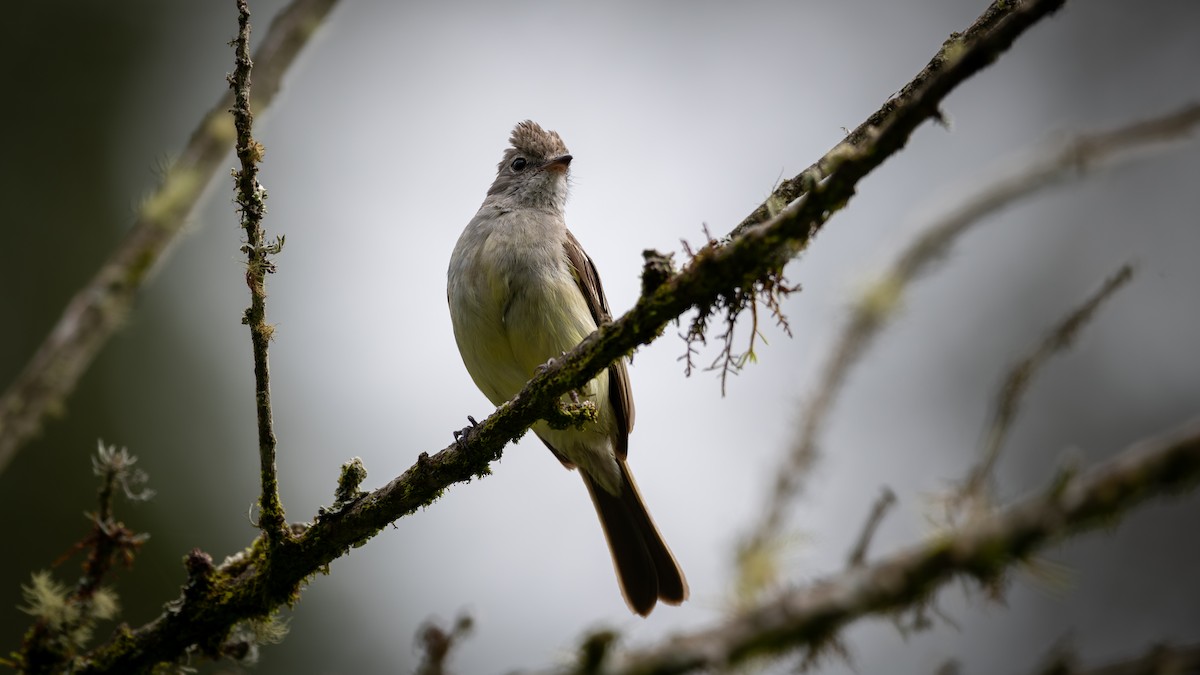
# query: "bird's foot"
[[550, 363], [458, 435], [546, 366]]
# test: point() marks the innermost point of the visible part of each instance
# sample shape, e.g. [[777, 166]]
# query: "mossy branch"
[[1002, 21], [880, 136], [251, 200]]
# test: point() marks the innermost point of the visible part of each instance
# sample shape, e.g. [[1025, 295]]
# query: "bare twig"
[[1008, 398], [97, 310], [885, 501], [813, 614], [250, 198], [872, 312]]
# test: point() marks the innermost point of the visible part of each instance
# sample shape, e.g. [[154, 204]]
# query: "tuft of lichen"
[[351, 477], [46, 600]]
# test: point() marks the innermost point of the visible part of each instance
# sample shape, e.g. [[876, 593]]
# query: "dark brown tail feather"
[[646, 570]]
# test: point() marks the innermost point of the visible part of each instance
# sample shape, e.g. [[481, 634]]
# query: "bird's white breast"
[[515, 304], [522, 306]]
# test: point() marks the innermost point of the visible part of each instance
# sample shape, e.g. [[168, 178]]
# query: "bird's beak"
[[559, 163]]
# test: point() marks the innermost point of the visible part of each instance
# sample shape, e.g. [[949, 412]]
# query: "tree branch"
[[438, 643], [885, 501], [251, 197], [1008, 399], [98, 309], [962, 55], [812, 615]]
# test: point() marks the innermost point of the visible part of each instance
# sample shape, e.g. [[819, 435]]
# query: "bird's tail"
[[646, 569]]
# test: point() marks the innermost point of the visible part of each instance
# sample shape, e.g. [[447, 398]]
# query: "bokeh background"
[[679, 114]]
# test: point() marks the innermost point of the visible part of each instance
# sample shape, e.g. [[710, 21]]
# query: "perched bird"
[[522, 291]]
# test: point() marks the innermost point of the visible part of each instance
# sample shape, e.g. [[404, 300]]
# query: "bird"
[[522, 291]]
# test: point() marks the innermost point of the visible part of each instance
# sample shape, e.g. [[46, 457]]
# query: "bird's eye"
[[518, 164]]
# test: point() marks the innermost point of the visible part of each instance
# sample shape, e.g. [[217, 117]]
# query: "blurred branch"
[[110, 539], [250, 199], [437, 643], [1017, 382], [1158, 660], [877, 305], [811, 616], [885, 501], [254, 583], [98, 309], [1073, 159]]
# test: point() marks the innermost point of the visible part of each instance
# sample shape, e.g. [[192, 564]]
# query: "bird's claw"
[[458, 435], [550, 363]]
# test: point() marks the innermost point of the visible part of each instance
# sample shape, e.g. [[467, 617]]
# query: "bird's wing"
[[619, 392]]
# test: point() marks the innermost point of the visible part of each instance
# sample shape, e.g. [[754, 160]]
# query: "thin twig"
[[1008, 398], [437, 644], [110, 539], [1069, 160], [871, 313], [64, 621], [813, 614], [250, 198], [885, 501], [97, 310]]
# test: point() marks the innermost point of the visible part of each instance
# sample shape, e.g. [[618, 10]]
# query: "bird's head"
[[534, 169]]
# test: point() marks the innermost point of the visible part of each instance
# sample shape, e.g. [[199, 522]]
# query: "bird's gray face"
[[534, 170]]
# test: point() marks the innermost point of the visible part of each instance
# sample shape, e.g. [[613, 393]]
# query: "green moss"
[[952, 50], [169, 205], [352, 475]]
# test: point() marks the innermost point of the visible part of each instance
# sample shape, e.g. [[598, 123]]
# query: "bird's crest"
[[529, 138]]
